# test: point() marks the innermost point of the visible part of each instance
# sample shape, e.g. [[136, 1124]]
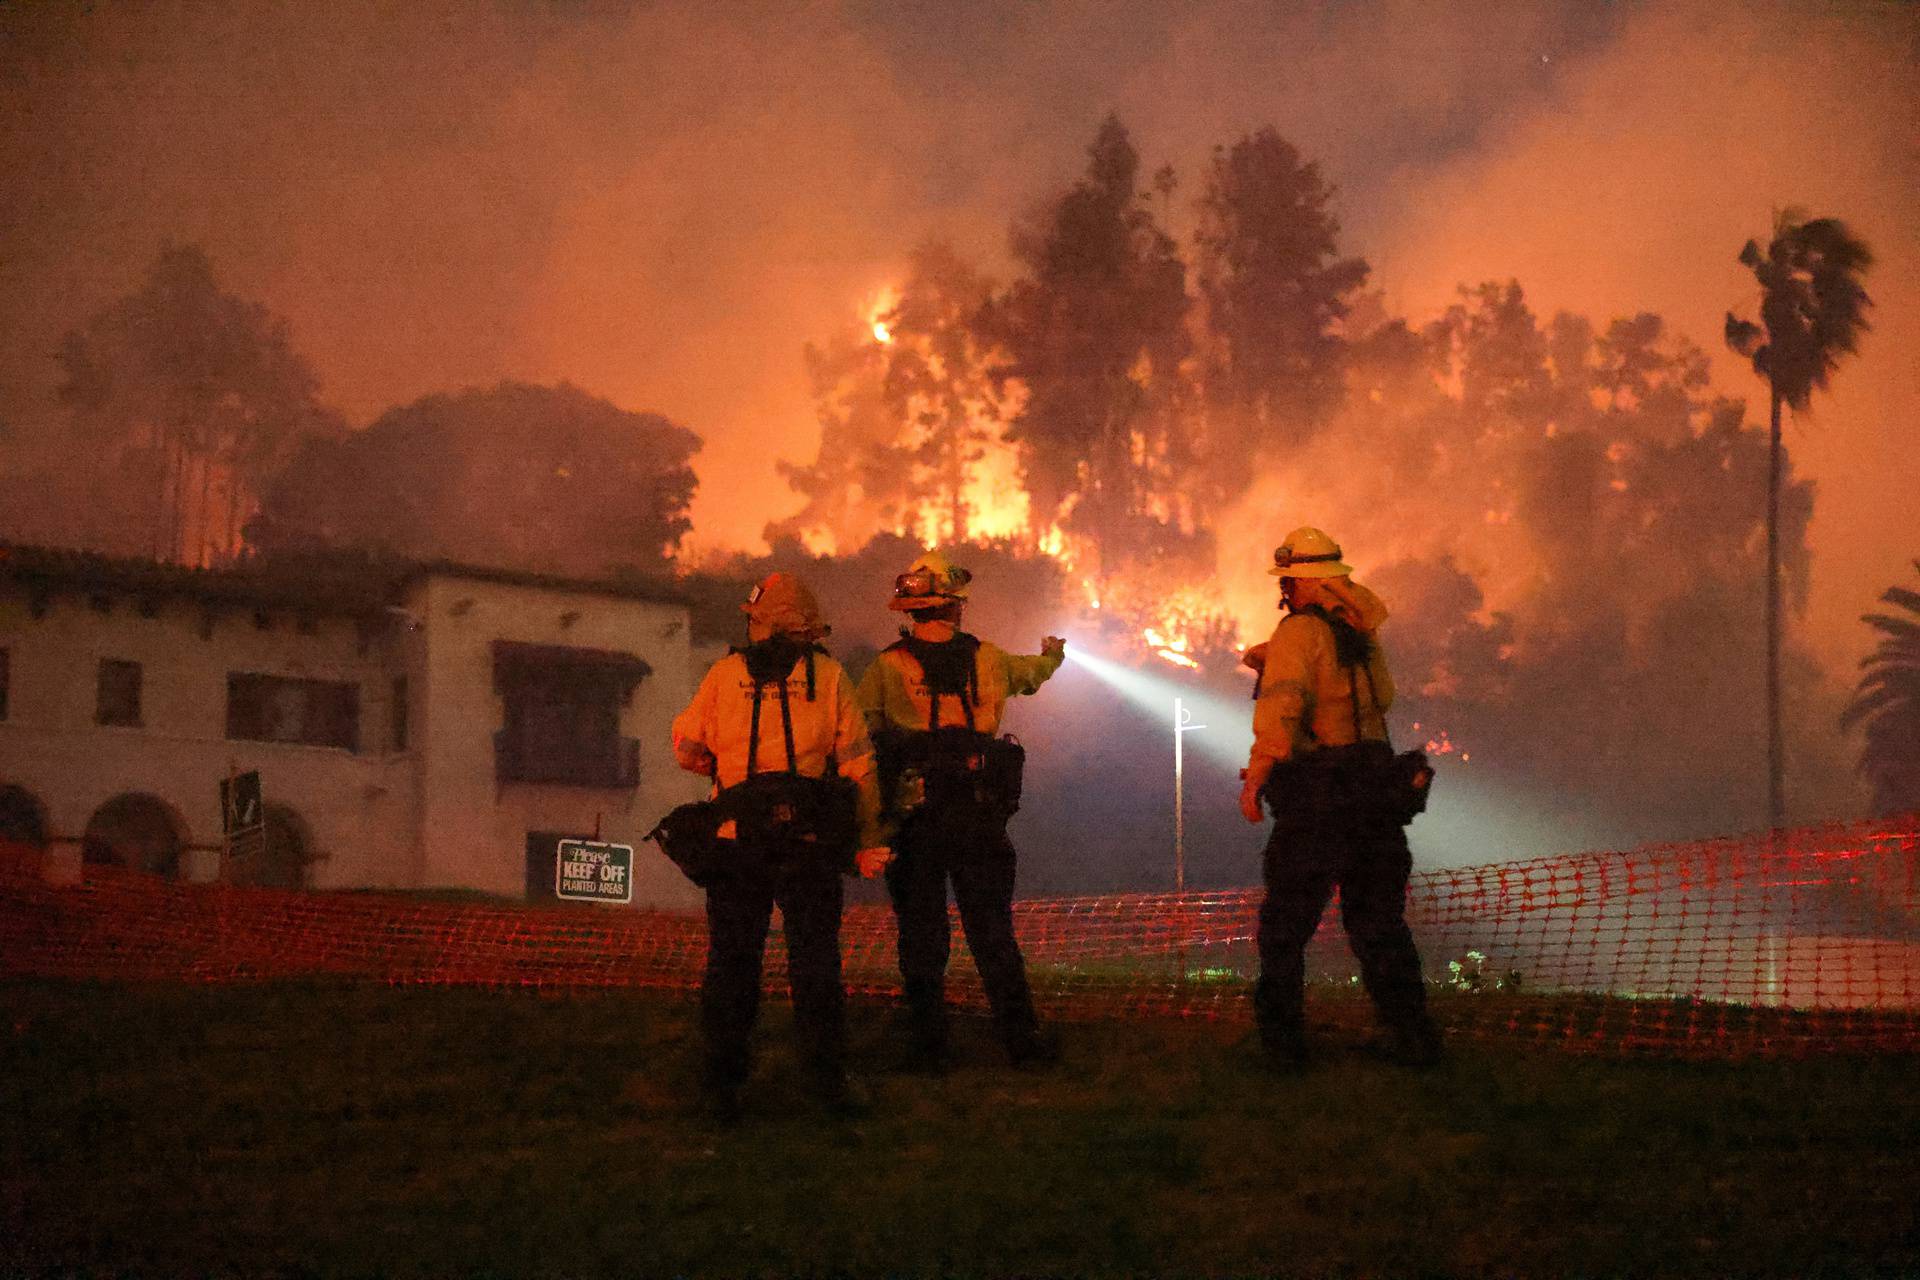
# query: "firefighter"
[[934, 702], [1319, 759], [776, 727]]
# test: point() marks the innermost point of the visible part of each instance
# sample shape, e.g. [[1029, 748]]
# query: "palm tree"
[[1888, 701], [1812, 312]]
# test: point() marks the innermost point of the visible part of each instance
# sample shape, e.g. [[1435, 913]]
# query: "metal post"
[[1181, 726], [1179, 801]]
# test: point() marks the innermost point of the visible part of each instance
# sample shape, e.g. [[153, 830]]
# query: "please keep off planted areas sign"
[[588, 871]]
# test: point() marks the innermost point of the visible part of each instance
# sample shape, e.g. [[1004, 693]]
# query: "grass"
[[332, 1130]]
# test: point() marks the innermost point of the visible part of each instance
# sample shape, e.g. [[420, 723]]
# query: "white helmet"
[[1308, 553], [929, 582]]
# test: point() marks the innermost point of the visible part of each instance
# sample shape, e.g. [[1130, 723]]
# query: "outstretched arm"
[[1027, 672]]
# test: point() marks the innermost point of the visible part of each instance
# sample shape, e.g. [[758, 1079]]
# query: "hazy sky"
[[662, 202]]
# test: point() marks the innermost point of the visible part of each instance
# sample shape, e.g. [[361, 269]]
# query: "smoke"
[[660, 203], [1634, 190]]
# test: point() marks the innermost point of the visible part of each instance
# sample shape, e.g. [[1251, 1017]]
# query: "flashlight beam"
[[1227, 743]]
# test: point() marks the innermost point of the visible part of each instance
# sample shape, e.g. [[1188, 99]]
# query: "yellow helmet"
[[781, 604], [929, 582], [1308, 553]]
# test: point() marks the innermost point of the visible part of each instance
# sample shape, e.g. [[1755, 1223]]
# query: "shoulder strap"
[[940, 664], [753, 734], [786, 725], [1373, 696], [786, 728]]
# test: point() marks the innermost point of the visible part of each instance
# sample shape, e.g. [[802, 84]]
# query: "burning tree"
[[907, 414], [937, 377], [1095, 333], [861, 481], [1557, 510]]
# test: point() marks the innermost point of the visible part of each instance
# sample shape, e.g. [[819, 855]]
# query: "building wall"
[[355, 807], [431, 815], [475, 829]]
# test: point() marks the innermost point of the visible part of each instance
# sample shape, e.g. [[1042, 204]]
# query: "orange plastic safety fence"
[[1807, 941]]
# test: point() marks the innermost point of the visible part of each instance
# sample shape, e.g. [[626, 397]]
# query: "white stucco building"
[[414, 726]]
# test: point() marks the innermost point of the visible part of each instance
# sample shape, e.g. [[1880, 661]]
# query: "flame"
[[996, 503], [1174, 615], [878, 310], [1177, 624], [1170, 648], [1441, 743]]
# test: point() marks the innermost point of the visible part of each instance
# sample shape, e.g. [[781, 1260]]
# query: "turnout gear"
[[820, 734], [930, 855], [739, 910], [776, 727], [1307, 856], [931, 700], [934, 703], [965, 776], [1304, 697], [929, 582], [1323, 762], [787, 814]]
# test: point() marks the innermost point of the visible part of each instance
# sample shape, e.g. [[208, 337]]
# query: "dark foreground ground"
[[295, 1130]]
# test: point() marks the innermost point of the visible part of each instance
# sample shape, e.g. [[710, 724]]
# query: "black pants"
[[739, 909], [1366, 856], [980, 865]]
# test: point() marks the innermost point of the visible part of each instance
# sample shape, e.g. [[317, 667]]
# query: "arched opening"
[[23, 819], [279, 859], [138, 831]]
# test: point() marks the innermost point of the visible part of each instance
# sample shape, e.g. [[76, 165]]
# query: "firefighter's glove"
[[1250, 802], [873, 861], [1053, 647], [694, 757]]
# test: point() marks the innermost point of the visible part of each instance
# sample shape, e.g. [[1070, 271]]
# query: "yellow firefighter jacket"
[[894, 695], [720, 717], [1306, 697]]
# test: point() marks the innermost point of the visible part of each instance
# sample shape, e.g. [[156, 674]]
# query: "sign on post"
[[243, 817], [589, 871]]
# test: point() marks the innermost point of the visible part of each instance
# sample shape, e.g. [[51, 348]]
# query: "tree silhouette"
[[515, 476], [192, 394], [1094, 333], [1578, 590], [1887, 703], [1274, 289], [1812, 312]]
